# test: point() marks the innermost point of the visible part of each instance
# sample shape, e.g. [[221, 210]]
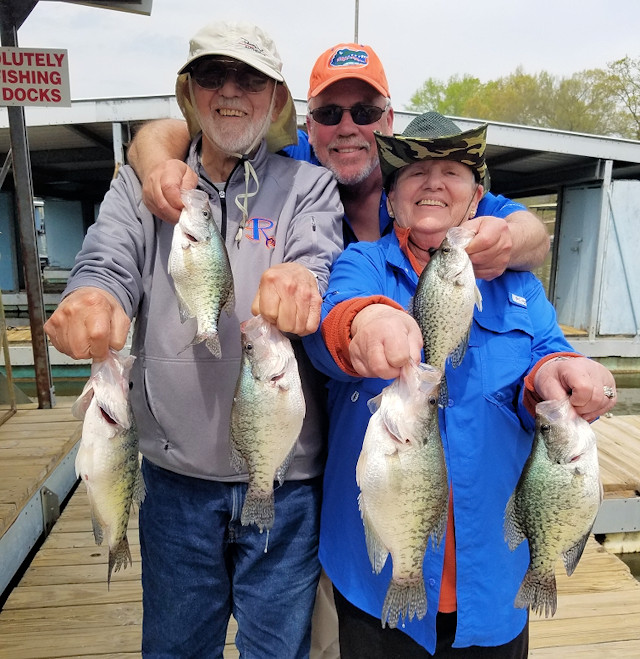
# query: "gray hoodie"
[[182, 398]]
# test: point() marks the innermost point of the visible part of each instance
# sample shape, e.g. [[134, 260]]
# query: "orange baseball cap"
[[348, 60]]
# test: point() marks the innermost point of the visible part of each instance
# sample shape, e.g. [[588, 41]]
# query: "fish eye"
[[545, 428], [446, 250], [249, 347], [206, 214], [432, 400]]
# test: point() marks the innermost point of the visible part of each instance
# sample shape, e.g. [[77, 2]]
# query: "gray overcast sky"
[[115, 54]]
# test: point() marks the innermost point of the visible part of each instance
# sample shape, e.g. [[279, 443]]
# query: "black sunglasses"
[[362, 115], [211, 74]]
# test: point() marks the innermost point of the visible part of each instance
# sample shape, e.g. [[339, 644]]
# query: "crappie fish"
[[107, 459], [199, 266], [444, 300], [266, 416], [555, 502], [404, 492]]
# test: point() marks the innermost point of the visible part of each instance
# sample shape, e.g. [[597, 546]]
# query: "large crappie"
[[266, 416], [107, 459], [555, 502], [444, 300], [199, 266], [404, 493]]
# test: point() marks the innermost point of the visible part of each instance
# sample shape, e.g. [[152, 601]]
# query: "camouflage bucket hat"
[[432, 136]]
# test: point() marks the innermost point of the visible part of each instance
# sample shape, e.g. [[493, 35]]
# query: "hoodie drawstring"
[[243, 205]]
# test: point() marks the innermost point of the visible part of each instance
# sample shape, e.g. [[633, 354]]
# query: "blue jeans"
[[199, 565]]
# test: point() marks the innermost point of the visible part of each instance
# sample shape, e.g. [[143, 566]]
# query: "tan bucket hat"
[[246, 43]]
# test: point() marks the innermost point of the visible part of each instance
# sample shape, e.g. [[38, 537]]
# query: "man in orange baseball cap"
[[348, 100]]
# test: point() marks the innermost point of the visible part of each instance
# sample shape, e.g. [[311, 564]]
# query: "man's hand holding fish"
[[87, 323]]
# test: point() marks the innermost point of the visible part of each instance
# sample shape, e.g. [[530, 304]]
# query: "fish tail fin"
[[538, 590], [258, 509], [119, 556], [406, 598]]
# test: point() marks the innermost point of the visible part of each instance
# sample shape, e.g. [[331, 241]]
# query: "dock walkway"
[[62, 608]]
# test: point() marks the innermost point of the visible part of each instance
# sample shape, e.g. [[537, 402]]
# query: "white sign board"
[[34, 76]]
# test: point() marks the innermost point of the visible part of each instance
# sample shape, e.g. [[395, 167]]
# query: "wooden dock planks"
[[62, 607], [32, 443]]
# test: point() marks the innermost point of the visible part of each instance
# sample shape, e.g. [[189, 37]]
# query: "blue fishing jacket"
[[487, 436]]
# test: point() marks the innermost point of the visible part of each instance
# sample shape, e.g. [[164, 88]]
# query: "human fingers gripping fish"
[[107, 460], [402, 477], [200, 268], [266, 416], [555, 502]]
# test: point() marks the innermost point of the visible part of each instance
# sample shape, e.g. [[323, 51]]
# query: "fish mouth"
[[275, 378], [110, 420]]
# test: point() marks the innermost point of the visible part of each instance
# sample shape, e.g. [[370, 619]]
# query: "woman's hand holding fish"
[[161, 189], [383, 340], [585, 381], [288, 298], [490, 249], [87, 323]]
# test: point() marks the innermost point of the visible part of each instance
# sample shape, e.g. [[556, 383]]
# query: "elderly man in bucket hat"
[[280, 220], [459, 600], [348, 99]]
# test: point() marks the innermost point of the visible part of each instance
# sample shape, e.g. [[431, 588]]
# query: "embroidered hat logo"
[[348, 57]]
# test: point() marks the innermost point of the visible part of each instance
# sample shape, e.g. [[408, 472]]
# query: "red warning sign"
[[34, 76]]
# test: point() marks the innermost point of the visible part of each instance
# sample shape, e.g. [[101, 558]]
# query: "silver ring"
[[609, 392]]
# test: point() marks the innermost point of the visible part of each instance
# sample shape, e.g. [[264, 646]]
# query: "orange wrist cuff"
[[531, 397], [336, 327]]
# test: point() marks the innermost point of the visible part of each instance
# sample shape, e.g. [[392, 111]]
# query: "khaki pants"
[[324, 623]]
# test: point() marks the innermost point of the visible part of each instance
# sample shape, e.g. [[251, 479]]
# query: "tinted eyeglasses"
[[361, 114], [211, 74]]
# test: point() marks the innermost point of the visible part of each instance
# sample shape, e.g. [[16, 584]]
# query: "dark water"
[[628, 402], [633, 563]]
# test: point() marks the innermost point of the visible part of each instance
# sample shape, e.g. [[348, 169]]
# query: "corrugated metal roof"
[[72, 154]]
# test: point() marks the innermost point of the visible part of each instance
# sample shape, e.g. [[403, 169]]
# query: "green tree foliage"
[[623, 81], [446, 98], [596, 101]]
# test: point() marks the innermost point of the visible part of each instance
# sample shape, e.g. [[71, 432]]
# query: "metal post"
[[355, 31], [29, 247]]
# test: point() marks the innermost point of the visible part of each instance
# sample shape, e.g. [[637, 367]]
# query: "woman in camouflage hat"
[[435, 176]]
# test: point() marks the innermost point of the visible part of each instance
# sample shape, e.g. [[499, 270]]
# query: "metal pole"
[[29, 246], [355, 31]]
